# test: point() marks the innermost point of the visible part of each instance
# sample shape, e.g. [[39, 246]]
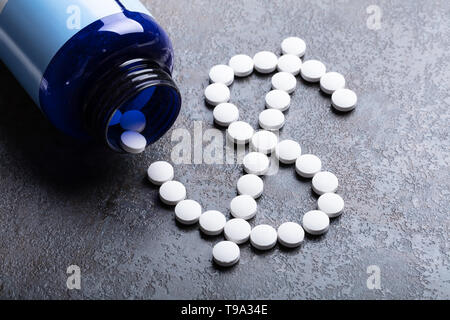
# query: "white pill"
[[221, 74], [172, 192], [331, 203], [133, 120], [225, 113], [242, 65], [212, 222], [263, 237], [332, 81], [226, 253], [293, 45], [290, 234], [278, 99], [217, 93], [133, 142], [324, 182], [313, 70], [188, 211], [256, 163], [240, 132], [237, 230], [244, 207], [265, 62], [271, 119], [288, 151], [344, 100], [284, 81], [250, 184], [316, 222], [159, 172], [264, 141], [289, 63], [308, 165]]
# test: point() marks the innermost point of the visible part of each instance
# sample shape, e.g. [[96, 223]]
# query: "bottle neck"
[[137, 84]]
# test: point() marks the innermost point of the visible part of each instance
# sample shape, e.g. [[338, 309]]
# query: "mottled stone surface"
[[63, 203]]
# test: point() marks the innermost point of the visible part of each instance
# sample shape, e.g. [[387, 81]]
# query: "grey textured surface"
[[64, 203]]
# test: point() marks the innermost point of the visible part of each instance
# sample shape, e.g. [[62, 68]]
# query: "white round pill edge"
[[324, 182], [243, 206], [217, 93], [265, 62], [188, 212], [264, 141], [242, 65], [159, 172], [284, 81], [256, 163], [293, 45], [172, 192], [237, 230], [263, 237], [221, 74], [331, 203], [240, 132], [225, 113], [133, 120], [316, 222], [332, 81], [250, 184], [308, 165], [312, 70], [271, 119], [132, 142], [288, 151], [212, 222], [278, 99], [344, 100], [290, 234], [289, 63], [226, 253]]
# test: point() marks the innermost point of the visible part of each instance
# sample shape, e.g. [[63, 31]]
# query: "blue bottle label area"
[[31, 33]]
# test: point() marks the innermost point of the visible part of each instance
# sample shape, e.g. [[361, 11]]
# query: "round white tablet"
[[159, 172], [284, 81], [217, 93], [264, 141], [313, 70], [133, 142], [250, 184], [331, 203], [226, 253], [172, 192], [332, 81], [316, 222], [212, 222], [221, 74], [244, 207], [290, 234], [308, 165], [288, 151], [289, 63], [263, 237], [256, 163], [242, 65], [133, 120], [237, 230], [265, 62], [278, 99], [324, 182], [271, 119], [225, 113], [293, 45], [344, 100], [188, 211], [240, 132]]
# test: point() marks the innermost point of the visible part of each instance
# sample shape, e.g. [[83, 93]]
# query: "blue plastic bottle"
[[81, 60]]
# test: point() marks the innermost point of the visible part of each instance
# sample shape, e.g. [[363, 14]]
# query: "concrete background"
[[63, 203]]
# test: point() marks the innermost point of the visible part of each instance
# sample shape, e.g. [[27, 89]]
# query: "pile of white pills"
[[256, 163]]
